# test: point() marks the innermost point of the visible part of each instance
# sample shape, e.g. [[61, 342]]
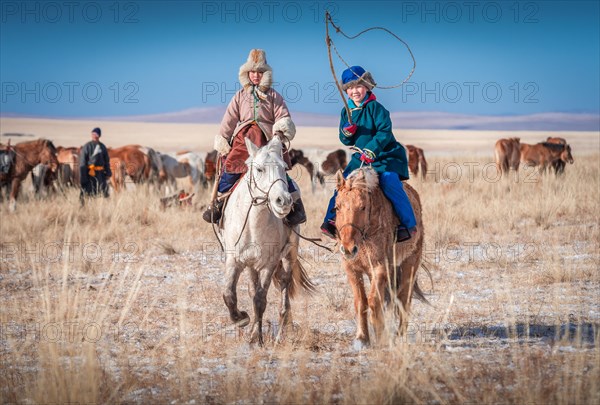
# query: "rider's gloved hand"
[[367, 157], [349, 129]]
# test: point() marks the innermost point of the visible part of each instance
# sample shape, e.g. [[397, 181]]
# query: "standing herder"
[[259, 113], [94, 167]]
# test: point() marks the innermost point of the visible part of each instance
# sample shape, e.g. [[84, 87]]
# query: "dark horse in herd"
[[321, 166]]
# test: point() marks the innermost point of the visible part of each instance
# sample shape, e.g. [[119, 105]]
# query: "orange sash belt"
[[92, 171]]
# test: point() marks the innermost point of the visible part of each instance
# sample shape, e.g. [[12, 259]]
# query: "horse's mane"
[[557, 147], [363, 178], [269, 150], [42, 141]]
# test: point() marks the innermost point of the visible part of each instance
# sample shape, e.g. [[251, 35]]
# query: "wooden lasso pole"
[[339, 87], [215, 190]]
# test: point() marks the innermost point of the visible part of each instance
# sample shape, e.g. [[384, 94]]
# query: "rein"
[[364, 230], [312, 240], [257, 201]]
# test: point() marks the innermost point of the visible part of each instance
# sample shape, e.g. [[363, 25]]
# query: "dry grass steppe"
[[120, 302]]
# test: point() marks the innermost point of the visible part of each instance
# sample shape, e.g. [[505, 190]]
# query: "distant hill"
[[407, 120]]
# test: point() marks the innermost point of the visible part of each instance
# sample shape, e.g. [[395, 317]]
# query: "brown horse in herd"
[[416, 161], [210, 165], [24, 157], [338, 160], [365, 227], [508, 154], [335, 161], [68, 166], [559, 165], [545, 154], [297, 157], [554, 153]]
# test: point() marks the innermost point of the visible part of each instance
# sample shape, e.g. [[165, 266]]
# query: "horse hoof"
[[243, 320], [359, 345]]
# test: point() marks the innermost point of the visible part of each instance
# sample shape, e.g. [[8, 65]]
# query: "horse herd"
[[53, 168], [56, 167], [552, 154]]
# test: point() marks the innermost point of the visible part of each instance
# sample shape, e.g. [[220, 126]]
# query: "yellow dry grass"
[[121, 302]]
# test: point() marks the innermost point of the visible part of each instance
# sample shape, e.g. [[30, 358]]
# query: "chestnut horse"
[[544, 154], [138, 165], [416, 161], [559, 165], [157, 172], [210, 165], [68, 166], [366, 226], [25, 156], [336, 160], [67, 174], [508, 154], [119, 171]]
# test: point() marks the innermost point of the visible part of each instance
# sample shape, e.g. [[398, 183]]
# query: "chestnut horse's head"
[[354, 210], [566, 156], [32, 153], [47, 154]]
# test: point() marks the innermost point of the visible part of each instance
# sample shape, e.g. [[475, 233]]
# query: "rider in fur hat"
[[259, 113]]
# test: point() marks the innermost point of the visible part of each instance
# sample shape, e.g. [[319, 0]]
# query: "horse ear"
[[252, 148], [275, 144], [341, 182]]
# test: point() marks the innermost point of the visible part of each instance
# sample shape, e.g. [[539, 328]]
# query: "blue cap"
[[352, 73]]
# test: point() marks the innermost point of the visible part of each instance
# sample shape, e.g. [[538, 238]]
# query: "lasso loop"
[[328, 40]]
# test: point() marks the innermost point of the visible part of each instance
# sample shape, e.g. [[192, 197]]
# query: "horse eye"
[[363, 208], [259, 169]]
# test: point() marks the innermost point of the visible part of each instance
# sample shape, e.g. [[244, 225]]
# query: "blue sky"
[[108, 58]]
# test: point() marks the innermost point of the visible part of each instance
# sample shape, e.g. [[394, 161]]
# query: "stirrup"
[[297, 215], [328, 229], [214, 212], [403, 233]]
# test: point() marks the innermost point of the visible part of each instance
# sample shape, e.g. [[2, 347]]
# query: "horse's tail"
[[418, 293], [301, 280], [423, 163], [501, 156], [416, 288]]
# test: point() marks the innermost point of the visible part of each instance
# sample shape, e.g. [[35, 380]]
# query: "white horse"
[[188, 165], [256, 238]]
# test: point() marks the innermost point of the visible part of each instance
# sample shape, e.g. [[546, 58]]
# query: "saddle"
[[224, 199], [7, 157]]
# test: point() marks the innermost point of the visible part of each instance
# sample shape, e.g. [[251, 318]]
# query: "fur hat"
[[257, 62], [355, 75]]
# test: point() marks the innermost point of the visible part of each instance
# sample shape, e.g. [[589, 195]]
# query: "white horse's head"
[[266, 174]]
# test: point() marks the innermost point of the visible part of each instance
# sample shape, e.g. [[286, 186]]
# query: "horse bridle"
[[264, 199], [257, 201], [362, 231]]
